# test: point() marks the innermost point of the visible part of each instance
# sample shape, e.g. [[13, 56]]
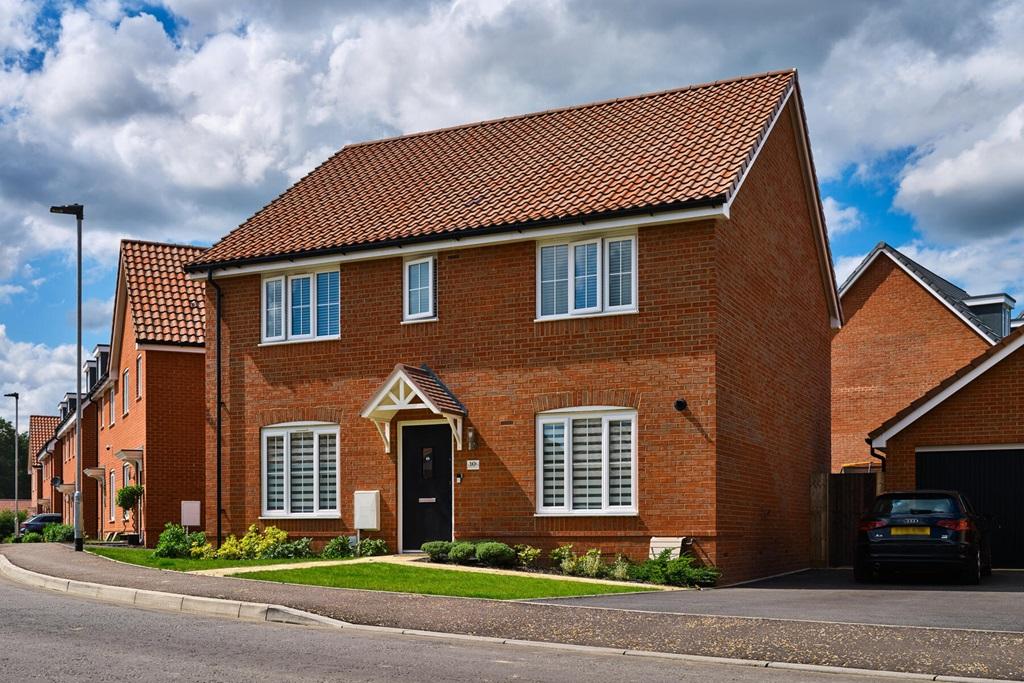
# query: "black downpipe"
[[220, 506], [873, 452]]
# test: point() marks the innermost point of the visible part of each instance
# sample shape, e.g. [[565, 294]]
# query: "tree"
[[7, 462]]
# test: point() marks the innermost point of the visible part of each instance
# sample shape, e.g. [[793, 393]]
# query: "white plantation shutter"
[[554, 464], [586, 464], [554, 280], [328, 459], [620, 462], [273, 311], [275, 472], [301, 470], [620, 273]]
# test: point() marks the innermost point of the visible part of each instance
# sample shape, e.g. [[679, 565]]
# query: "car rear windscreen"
[[916, 505]]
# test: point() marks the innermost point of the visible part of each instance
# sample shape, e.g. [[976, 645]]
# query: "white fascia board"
[[71, 423], [971, 447], [867, 262], [881, 440], [172, 348], [986, 299], [522, 235]]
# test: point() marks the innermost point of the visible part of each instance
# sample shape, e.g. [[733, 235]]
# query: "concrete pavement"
[[830, 595], [928, 651], [49, 637]]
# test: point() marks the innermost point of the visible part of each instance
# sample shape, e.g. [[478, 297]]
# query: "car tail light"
[[870, 524], [956, 524]]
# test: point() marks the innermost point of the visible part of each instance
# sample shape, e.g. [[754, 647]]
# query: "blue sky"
[[175, 120]]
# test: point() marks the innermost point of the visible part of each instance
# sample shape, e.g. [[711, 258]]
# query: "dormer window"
[[301, 307]]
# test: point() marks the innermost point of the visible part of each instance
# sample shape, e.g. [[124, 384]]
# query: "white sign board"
[[190, 513], [472, 464]]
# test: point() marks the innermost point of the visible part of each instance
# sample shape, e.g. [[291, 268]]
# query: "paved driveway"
[[831, 595]]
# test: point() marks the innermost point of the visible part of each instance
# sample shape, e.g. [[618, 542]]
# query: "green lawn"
[[145, 558], [404, 579]]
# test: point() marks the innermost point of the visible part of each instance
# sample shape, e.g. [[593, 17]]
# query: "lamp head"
[[76, 210], [13, 394]]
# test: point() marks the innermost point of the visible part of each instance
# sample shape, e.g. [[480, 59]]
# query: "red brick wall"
[[772, 368], [53, 466], [66, 451], [986, 411], [898, 342]]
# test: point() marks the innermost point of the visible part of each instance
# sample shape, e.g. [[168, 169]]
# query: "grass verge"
[[403, 579], [144, 557]]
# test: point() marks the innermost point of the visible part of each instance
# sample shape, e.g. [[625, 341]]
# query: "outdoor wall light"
[[680, 404], [470, 439]]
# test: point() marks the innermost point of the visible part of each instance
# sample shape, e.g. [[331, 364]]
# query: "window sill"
[[589, 513], [333, 515], [582, 316], [310, 340], [420, 320]]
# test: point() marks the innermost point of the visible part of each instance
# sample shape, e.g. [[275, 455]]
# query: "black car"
[[37, 522], [923, 530]]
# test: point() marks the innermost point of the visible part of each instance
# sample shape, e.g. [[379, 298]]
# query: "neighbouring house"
[[151, 421], [40, 431], [64, 449], [966, 433], [606, 325], [905, 328]]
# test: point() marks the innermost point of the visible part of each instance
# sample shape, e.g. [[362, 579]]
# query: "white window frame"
[[286, 314], [125, 396], [565, 418], [263, 309], [126, 470], [430, 313], [112, 495], [138, 377], [607, 279], [603, 307], [111, 402], [285, 430]]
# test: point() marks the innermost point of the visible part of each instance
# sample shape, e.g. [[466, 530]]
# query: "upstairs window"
[[124, 392], [418, 298], [586, 462], [110, 406], [588, 277], [301, 307], [138, 377]]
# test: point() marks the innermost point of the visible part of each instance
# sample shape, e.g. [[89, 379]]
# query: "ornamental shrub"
[[371, 547], [58, 533], [6, 523], [129, 496], [174, 542], [299, 548], [494, 554], [32, 537], [437, 550], [202, 552], [619, 569], [254, 545], [680, 571], [462, 552], [591, 565], [526, 555], [338, 548], [560, 554]]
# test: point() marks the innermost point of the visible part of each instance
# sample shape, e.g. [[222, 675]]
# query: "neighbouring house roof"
[[948, 294], [657, 152], [40, 431], [166, 307], [947, 388]]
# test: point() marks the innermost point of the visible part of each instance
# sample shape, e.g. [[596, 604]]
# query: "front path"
[[936, 651]]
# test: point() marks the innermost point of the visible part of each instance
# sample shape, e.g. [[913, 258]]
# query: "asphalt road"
[[48, 636], [830, 595]]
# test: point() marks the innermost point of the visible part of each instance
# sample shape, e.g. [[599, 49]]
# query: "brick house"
[[905, 329], [966, 434], [570, 326], [150, 419], [40, 431]]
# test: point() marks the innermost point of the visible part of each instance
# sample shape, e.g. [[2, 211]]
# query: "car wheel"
[[862, 573], [972, 570]]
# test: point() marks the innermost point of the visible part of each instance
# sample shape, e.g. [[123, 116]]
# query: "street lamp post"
[[78, 211], [17, 522]]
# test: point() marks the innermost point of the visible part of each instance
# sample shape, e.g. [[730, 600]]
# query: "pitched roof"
[[436, 390], [166, 307], [942, 289], [991, 357], [40, 431], [654, 152]]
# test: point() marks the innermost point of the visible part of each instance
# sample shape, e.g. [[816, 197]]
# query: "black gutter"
[[457, 234], [873, 452], [220, 530]]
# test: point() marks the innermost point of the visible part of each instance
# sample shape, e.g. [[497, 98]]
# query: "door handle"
[[428, 500]]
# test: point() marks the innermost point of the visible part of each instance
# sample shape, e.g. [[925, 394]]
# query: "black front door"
[[426, 484]]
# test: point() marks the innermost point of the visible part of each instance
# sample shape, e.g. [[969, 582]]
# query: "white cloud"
[[840, 218], [7, 292], [95, 314], [40, 374], [984, 266]]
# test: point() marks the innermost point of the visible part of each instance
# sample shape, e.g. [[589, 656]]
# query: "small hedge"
[[495, 554], [32, 537], [371, 547], [174, 542], [462, 552], [437, 551], [58, 533], [338, 548]]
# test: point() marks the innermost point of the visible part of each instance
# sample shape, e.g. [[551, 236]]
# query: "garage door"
[[994, 482]]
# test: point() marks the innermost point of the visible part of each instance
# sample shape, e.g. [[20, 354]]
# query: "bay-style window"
[[301, 307], [300, 470], [586, 462], [586, 277], [418, 295]]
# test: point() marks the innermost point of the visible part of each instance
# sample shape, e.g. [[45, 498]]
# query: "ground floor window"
[[300, 470], [586, 461]]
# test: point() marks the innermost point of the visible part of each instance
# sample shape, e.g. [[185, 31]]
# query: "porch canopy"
[[412, 388]]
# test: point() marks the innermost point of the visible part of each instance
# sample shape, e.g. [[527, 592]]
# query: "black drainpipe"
[[874, 453], [220, 531]]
